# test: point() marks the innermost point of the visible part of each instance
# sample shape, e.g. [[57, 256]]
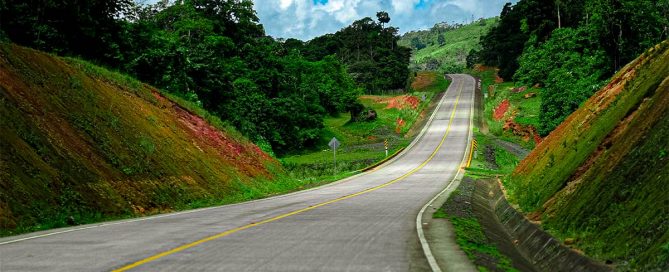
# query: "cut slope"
[[81, 144], [602, 176]]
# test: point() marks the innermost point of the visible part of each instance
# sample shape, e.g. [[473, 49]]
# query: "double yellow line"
[[228, 232]]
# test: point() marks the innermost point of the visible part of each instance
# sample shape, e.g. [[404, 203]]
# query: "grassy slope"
[[524, 111], [362, 142], [601, 176], [458, 43], [81, 144]]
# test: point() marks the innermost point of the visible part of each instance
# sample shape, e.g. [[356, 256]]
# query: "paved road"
[[364, 223]]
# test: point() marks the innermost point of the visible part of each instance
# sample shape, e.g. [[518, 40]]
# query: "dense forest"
[[570, 47], [369, 50], [216, 53]]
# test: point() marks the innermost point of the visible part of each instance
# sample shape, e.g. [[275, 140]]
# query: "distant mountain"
[[80, 144], [445, 47]]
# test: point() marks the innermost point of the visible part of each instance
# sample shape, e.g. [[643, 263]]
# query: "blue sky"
[[306, 19]]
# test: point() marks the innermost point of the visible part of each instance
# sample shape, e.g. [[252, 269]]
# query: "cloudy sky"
[[305, 19]]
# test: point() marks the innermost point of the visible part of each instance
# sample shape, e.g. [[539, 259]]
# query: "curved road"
[[364, 223]]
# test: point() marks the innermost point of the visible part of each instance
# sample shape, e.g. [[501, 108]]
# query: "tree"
[[417, 43], [441, 40], [87, 28], [383, 17]]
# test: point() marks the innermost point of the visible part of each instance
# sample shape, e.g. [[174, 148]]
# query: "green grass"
[[470, 236], [613, 207], [105, 147], [526, 109], [452, 53], [362, 142]]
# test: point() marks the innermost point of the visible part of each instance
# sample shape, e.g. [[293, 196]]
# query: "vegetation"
[[369, 50], [445, 47], [363, 142], [510, 113], [81, 144], [216, 54], [594, 179], [570, 47], [469, 232]]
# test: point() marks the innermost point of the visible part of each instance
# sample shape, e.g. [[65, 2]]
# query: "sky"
[[306, 19]]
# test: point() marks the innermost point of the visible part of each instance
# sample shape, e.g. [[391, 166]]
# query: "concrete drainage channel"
[[524, 242]]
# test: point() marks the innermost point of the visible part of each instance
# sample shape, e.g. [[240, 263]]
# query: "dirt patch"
[[399, 124], [398, 102], [423, 80], [530, 95], [501, 110], [519, 90], [423, 117], [483, 68], [403, 102], [527, 133]]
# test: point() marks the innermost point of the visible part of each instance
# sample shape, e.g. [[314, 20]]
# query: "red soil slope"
[[81, 144]]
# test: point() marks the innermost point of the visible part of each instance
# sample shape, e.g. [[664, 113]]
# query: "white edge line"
[[112, 223], [419, 219]]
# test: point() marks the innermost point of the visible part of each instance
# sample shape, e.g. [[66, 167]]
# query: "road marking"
[[228, 232], [471, 155], [432, 261]]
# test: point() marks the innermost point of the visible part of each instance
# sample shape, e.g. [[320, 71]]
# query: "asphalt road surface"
[[364, 223]]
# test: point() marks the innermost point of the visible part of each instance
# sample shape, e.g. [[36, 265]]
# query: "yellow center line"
[[228, 232]]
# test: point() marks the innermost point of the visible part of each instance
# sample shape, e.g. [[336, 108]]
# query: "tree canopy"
[[570, 47], [368, 49], [216, 53]]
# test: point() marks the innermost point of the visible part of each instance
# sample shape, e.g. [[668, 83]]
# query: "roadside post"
[[334, 144], [385, 143], [475, 144]]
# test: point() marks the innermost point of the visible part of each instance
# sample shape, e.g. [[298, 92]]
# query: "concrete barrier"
[[538, 248]]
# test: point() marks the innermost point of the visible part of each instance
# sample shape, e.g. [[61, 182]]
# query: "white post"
[[335, 160]]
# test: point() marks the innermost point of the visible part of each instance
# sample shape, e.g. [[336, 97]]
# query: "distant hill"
[[601, 178], [445, 47], [80, 144]]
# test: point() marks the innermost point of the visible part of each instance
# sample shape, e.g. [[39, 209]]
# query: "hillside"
[[82, 144], [448, 53], [600, 178]]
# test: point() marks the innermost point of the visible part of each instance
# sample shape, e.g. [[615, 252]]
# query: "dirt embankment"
[[81, 144], [594, 181]]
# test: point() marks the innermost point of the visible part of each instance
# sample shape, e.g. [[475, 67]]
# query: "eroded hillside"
[[81, 144], [602, 177]]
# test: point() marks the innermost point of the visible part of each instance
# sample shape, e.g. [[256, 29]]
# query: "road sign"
[[334, 143], [385, 143]]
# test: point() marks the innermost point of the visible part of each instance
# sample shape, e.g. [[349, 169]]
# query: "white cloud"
[[404, 6], [305, 19], [285, 4]]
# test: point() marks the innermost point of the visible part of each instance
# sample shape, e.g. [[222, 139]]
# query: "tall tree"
[[87, 28], [383, 17]]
